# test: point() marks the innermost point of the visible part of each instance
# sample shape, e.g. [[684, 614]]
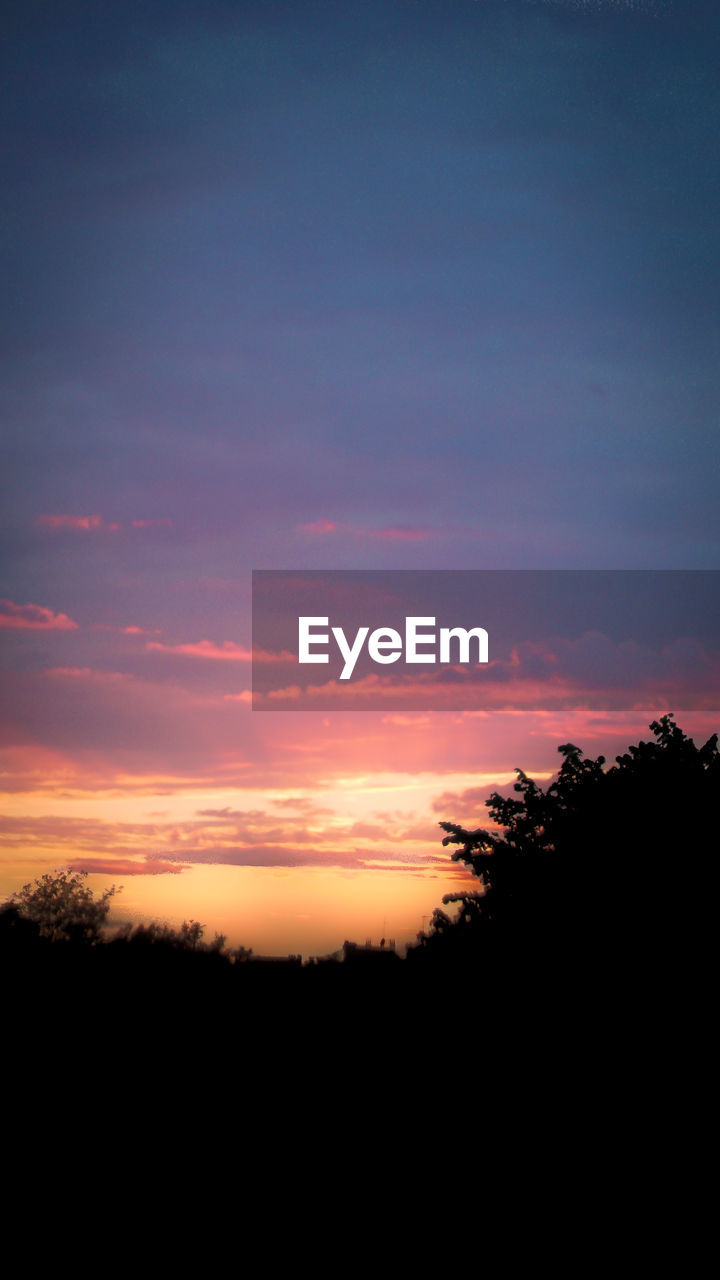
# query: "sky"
[[398, 285]]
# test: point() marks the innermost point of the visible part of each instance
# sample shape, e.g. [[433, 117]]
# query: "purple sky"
[[443, 267]]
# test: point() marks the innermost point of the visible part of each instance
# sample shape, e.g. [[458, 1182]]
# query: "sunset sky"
[[384, 285]]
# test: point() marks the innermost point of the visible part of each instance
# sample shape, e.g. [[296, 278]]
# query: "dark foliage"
[[63, 908], [596, 856]]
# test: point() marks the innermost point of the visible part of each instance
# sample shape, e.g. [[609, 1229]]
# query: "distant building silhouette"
[[355, 954]]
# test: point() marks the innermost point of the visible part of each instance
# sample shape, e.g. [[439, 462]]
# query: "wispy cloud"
[[125, 631], [80, 524], [321, 526], [311, 836], [96, 524], [388, 533], [33, 617], [591, 670], [227, 651], [87, 673], [400, 533], [127, 867]]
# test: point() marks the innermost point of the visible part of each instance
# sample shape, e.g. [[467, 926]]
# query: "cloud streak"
[[591, 670], [226, 651], [33, 617], [126, 867], [96, 524], [78, 524], [389, 533]]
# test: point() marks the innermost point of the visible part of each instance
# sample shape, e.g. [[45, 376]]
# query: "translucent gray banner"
[[461, 640]]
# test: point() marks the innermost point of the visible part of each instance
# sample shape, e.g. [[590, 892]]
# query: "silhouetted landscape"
[[580, 890]]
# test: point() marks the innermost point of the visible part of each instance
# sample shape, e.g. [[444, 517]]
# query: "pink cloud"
[[392, 533], [591, 670], [33, 617], [397, 534], [252, 837], [85, 524], [263, 855], [125, 631], [81, 524], [127, 867], [228, 651], [319, 526], [88, 673]]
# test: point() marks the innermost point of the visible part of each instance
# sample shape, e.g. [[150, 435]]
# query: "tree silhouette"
[[63, 907], [593, 853]]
